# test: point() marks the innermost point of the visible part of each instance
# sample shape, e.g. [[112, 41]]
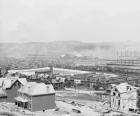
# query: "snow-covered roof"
[[113, 85], [21, 99], [28, 70], [54, 81], [8, 82], [61, 79], [23, 81], [123, 87], [27, 73], [33, 88], [71, 72], [55, 70]]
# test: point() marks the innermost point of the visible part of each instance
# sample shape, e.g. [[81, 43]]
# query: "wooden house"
[[124, 97], [57, 84], [36, 97], [11, 85]]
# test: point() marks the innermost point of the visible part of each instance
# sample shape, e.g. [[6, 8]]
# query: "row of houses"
[[104, 80], [49, 75], [88, 79], [92, 80]]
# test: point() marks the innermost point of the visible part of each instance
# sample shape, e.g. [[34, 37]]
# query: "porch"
[[20, 102]]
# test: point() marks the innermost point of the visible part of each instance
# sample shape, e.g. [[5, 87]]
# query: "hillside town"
[[111, 89], [69, 58]]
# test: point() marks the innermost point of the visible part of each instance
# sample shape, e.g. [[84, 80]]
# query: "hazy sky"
[[82, 20]]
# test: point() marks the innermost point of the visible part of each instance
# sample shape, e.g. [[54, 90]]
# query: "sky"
[[80, 20]]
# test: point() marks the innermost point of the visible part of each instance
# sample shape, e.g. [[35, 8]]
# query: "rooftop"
[[61, 71], [124, 87], [33, 88], [8, 82]]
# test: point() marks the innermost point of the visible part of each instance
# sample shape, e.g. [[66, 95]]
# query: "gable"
[[114, 90], [16, 83]]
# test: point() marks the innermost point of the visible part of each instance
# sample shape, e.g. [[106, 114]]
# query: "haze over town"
[[69, 57]]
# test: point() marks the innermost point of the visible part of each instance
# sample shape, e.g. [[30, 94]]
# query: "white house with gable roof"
[[36, 96], [124, 97]]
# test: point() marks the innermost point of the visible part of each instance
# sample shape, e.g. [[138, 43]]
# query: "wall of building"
[[58, 85], [138, 101], [12, 92], [125, 101], [3, 99], [115, 100], [43, 102], [128, 101]]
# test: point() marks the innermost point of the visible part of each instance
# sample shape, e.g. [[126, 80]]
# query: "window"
[[29, 98], [114, 93], [30, 106], [127, 87], [48, 89], [19, 85], [119, 102], [131, 109], [118, 95]]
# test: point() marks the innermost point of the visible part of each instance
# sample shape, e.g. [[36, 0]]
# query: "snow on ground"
[[79, 91], [90, 92], [64, 109], [85, 111], [87, 101]]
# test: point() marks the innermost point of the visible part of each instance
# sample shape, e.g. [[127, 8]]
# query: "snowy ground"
[[64, 107], [90, 92]]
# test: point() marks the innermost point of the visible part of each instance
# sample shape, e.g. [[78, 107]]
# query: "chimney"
[[51, 71]]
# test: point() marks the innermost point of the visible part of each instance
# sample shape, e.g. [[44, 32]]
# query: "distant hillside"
[[58, 48]]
